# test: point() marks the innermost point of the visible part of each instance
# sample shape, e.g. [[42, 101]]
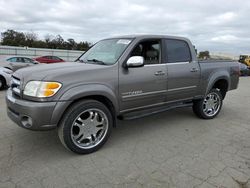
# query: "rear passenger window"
[[177, 51]]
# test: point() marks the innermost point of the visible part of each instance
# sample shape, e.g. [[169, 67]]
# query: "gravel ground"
[[171, 149]]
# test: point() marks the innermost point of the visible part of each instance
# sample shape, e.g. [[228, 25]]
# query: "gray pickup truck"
[[122, 77]]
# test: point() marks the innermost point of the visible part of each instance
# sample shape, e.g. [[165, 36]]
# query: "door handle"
[[194, 70], [159, 73]]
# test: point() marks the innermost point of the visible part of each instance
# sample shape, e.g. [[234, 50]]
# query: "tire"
[[2, 83], [210, 106], [85, 127]]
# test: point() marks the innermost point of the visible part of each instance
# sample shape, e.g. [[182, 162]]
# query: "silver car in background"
[[16, 62]]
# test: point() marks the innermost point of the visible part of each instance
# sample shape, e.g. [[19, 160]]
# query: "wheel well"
[[222, 85], [101, 99]]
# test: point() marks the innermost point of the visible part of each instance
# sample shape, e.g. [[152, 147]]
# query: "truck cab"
[[172, 67]]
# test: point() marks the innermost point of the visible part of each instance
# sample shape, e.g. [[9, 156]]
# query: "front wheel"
[[210, 106], [85, 127]]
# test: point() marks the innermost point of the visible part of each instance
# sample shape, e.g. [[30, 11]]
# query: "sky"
[[218, 26]]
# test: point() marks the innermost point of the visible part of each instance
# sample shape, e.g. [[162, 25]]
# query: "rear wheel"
[[85, 127], [210, 106]]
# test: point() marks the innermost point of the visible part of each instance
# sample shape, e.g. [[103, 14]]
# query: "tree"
[[58, 42], [71, 44], [83, 46], [13, 38], [30, 39], [204, 55]]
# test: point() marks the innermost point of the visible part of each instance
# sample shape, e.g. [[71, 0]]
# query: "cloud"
[[222, 19], [216, 26], [225, 39]]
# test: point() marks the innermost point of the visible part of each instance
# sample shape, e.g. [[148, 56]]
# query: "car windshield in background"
[[105, 52]]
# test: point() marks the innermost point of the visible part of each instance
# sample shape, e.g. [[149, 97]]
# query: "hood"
[[55, 71]]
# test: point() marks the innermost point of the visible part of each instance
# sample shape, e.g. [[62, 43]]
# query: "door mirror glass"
[[135, 61]]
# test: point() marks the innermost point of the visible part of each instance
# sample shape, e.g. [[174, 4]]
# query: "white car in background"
[[5, 76]]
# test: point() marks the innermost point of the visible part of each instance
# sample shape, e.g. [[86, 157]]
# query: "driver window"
[[150, 50]]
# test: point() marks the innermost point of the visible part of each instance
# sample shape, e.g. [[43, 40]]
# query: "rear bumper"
[[32, 115]]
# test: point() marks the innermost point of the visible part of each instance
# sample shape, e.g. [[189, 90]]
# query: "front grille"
[[15, 86]]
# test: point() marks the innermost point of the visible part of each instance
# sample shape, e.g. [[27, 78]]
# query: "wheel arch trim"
[[75, 94]]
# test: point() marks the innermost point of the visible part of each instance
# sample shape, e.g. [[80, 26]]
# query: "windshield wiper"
[[96, 61], [79, 60]]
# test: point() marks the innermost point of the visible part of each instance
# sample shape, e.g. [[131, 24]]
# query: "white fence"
[[67, 55]]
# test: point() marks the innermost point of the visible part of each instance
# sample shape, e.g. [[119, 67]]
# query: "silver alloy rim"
[[89, 128], [211, 104]]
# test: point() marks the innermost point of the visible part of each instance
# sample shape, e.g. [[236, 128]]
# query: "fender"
[[82, 91], [219, 75], [86, 90]]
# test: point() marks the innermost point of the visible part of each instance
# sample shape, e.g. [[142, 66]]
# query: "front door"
[[143, 86]]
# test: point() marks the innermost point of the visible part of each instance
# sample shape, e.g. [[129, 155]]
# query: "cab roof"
[[145, 36]]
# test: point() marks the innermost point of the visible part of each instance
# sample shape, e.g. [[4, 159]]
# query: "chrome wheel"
[[89, 128], [211, 104]]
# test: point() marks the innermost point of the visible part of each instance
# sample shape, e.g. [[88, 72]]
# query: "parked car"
[[49, 59], [16, 62], [244, 70], [5, 77], [123, 77]]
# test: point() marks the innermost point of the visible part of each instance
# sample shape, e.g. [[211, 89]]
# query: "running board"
[[148, 112]]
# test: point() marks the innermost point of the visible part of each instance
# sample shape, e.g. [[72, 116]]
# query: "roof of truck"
[[142, 36]]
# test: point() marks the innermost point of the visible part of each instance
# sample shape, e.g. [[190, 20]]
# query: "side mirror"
[[135, 61]]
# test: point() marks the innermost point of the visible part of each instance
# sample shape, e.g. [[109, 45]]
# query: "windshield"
[[105, 52]]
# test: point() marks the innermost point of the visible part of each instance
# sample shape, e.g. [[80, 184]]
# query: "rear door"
[[183, 71], [143, 86]]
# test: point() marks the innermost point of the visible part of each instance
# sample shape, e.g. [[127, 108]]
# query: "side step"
[[152, 111]]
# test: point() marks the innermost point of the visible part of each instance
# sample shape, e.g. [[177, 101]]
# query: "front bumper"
[[32, 115]]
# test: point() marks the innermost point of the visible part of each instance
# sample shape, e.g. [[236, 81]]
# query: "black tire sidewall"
[[3, 83], [72, 114]]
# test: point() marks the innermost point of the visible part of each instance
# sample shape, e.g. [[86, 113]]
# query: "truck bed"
[[208, 67]]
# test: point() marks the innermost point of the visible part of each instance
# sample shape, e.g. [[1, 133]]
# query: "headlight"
[[41, 89]]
